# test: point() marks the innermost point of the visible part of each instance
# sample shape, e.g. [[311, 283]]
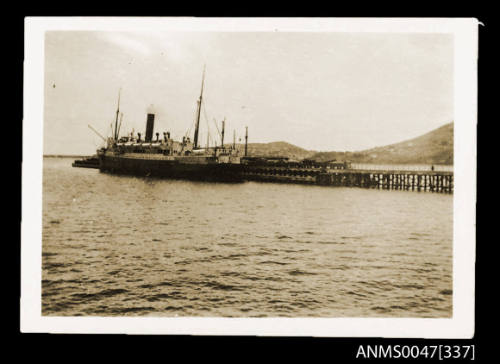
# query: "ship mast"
[[119, 125], [197, 126], [246, 140], [117, 113], [222, 134]]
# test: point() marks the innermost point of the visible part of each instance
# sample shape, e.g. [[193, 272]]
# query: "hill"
[[435, 147], [277, 149]]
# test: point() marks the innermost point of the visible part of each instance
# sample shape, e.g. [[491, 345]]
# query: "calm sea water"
[[116, 245]]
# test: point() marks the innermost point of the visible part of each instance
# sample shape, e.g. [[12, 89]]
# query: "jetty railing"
[[392, 179], [403, 167]]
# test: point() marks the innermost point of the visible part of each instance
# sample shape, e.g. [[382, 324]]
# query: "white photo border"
[[460, 325]]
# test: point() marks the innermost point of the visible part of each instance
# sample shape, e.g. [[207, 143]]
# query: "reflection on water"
[[136, 246]]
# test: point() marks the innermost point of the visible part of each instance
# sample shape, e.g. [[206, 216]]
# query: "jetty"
[[339, 174], [346, 175]]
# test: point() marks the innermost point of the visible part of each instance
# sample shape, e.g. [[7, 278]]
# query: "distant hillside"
[[435, 147], [63, 155], [276, 149]]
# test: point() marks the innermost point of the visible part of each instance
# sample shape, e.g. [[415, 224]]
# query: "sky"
[[320, 91]]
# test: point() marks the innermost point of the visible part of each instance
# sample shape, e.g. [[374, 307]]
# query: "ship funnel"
[[150, 124]]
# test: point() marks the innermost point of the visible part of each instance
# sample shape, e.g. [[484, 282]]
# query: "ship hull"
[[172, 169]]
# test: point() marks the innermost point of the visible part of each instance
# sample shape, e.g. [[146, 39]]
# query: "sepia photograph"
[[236, 168]]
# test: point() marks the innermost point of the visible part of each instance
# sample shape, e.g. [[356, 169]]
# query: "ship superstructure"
[[162, 156]]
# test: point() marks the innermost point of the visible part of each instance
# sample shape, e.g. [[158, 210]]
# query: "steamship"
[[168, 158]]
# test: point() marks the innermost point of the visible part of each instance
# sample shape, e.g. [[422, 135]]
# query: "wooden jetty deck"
[[431, 181]]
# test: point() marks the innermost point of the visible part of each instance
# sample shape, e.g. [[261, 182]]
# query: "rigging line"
[[188, 131], [205, 115], [203, 105], [192, 124], [212, 139], [206, 118], [206, 123], [208, 127], [217, 127]]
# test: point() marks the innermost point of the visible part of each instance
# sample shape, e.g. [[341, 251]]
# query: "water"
[[120, 246]]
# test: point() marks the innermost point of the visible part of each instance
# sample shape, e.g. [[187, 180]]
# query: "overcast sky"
[[321, 91]]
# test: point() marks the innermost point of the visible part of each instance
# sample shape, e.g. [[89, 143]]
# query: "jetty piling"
[[421, 181]]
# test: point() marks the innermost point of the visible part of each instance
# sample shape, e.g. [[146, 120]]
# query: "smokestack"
[[150, 122]]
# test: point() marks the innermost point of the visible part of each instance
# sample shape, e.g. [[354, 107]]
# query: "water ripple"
[[124, 246]]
